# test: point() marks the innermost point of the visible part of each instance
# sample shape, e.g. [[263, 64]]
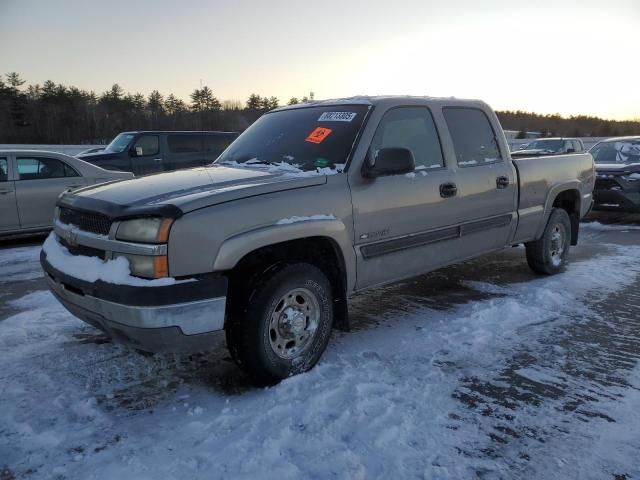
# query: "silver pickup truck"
[[310, 205]]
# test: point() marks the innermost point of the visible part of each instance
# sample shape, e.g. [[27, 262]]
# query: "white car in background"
[[30, 182]]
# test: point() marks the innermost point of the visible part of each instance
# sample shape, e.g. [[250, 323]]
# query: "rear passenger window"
[[30, 168], [185, 143], [412, 128], [4, 170], [474, 140]]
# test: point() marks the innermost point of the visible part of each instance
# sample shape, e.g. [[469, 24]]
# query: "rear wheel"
[[283, 323], [548, 254]]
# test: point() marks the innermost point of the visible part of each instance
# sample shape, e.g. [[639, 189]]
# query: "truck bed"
[[537, 178]]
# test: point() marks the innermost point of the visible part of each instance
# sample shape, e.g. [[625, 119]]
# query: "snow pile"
[[294, 219], [21, 263], [92, 269], [379, 405], [600, 227]]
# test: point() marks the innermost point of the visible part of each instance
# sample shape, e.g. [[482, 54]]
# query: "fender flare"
[[234, 248], [553, 193]]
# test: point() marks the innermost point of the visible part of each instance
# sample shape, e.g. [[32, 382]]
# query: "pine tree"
[[155, 104], [273, 103], [254, 102]]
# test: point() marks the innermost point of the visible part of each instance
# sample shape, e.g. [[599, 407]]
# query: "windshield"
[[550, 145], [617, 151], [119, 143], [306, 138]]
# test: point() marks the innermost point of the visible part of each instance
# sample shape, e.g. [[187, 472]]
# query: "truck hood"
[[186, 189]]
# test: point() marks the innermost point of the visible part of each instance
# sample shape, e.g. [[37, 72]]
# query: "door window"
[[474, 140], [185, 143], [412, 128], [30, 168], [147, 145], [4, 170]]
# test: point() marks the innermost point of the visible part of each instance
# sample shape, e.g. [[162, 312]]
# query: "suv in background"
[[550, 146], [150, 152]]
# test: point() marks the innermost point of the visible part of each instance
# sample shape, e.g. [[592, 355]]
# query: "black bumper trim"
[[204, 287]]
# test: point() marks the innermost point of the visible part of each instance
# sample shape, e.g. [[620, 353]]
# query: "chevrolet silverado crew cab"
[[310, 205]]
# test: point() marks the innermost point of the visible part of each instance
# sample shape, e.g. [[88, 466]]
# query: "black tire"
[[253, 336], [548, 254]]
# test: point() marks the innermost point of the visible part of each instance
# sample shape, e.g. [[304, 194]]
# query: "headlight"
[[145, 230], [147, 266]]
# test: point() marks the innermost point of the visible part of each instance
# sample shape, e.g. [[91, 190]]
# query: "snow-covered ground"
[[481, 371]]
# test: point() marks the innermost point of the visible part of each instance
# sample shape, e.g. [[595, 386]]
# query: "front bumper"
[[613, 192], [184, 317]]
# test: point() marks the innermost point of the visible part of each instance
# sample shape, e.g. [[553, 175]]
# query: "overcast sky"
[[538, 55]]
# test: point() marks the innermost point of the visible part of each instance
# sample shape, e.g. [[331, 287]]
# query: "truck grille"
[[83, 250], [89, 222]]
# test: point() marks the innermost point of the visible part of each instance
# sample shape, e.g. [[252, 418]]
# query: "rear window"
[[474, 140], [307, 138], [185, 143]]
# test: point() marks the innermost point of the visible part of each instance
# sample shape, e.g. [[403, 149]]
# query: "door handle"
[[448, 190], [75, 185], [5, 191], [502, 182], [157, 159]]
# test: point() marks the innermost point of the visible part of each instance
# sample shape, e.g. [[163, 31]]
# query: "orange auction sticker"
[[318, 135]]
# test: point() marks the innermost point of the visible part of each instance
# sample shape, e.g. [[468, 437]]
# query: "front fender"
[[235, 248]]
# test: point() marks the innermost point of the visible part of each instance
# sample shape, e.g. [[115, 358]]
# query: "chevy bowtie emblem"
[[70, 237]]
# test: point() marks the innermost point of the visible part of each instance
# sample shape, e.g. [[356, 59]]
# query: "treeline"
[[573, 126], [58, 114]]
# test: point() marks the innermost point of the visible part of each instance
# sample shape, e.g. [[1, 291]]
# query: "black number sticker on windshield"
[[337, 116]]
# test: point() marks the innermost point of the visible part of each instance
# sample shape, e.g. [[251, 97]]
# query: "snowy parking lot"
[[479, 370]]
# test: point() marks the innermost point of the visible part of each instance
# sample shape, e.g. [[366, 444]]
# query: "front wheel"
[[284, 324], [548, 254]]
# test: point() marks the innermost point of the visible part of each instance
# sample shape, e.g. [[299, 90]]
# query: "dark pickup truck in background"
[[147, 152]]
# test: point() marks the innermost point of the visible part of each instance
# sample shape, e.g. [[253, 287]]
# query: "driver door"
[[146, 156], [403, 224]]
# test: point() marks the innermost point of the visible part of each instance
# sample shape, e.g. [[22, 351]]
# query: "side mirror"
[[571, 150], [390, 161], [135, 152]]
